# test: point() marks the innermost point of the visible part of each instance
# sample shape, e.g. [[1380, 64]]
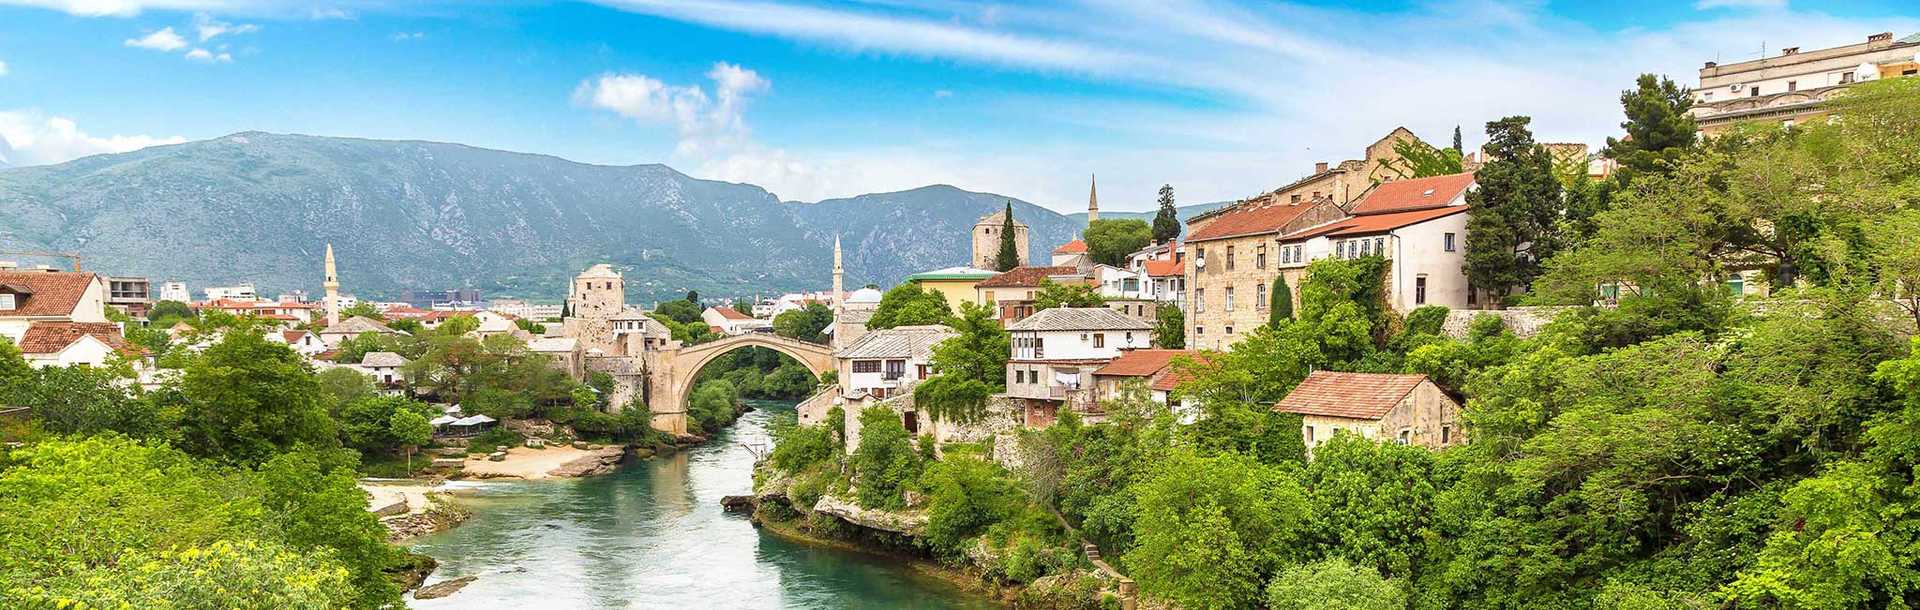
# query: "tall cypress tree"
[[1166, 224], [1511, 227], [1009, 256], [1457, 145], [1282, 306]]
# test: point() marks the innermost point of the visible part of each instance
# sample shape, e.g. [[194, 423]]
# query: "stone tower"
[[1093, 200], [332, 285], [598, 293], [838, 272], [986, 240]]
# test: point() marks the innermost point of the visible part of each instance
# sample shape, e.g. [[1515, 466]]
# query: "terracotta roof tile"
[[1348, 395], [51, 337], [1413, 194], [1141, 362], [1252, 218], [1025, 277], [1072, 247], [45, 293], [1379, 223], [731, 314], [1165, 268]]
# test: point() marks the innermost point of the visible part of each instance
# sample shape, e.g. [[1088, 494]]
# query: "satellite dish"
[[1867, 71]]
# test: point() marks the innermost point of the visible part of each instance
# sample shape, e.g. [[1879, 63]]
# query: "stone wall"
[[1522, 321]]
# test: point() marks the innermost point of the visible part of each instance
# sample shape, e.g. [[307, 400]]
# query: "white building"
[[1055, 352], [731, 322], [238, 292], [303, 342], [1418, 224], [384, 368], [883, 363], [525, 310], [176, 291]]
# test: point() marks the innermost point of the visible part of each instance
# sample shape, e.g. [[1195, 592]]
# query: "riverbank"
[[554, 461], [963, 579]]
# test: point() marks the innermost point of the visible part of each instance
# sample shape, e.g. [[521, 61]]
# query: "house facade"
[[956, 284], [731, 322], [1011, 293], [1234, 261], [888, 362], [1407, 409], [32, 297], [1794, 86], [1055, 352]]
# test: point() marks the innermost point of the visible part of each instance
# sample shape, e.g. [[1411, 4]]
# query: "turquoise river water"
[[653, 536]]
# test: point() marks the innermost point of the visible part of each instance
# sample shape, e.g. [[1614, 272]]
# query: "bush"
[[966, 496], [885, 461], [796, 447], [499, 435], [713, 405], [1333, 584]]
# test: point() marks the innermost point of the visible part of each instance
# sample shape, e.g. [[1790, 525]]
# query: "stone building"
[[1010, 294], [1419, 225], [986, 240], [1410, 409], [1055, 352], [598, 292], [1235, 259], [1794, 86]]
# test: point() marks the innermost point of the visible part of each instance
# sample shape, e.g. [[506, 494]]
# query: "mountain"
[[403, 215]]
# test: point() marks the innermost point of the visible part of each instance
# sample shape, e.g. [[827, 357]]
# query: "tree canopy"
[[1109, 241]]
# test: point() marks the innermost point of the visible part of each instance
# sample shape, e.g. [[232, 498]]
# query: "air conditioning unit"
[[1737, 86]]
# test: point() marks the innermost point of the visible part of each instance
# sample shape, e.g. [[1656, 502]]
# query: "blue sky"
[[816, 100]]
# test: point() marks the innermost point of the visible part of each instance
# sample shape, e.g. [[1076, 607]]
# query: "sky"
[[815, 100]]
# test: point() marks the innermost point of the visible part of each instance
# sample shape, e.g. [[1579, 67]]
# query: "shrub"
[[885, 460], [1333, 584]]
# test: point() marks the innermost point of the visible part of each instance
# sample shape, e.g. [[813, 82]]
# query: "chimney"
[[1789, 51], [1881, 37], [1320, 168], [9, 265], [1713, 64]]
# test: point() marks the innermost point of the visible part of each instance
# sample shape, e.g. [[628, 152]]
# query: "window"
[[895, 369], [1099, 339], [866, 366], [8, 302], [1473, 296], [1296, 198], [923, 371], [1380, 246], [1446, 434], [1309, 435], [1229, 330], [1420, 290], [1200, 300], [1366, 247], [1846, 78], [1406, 437], [1229, 258], [1793, 85], [1736, 286], [1448, 239], [1260, 257], [1229, 298], [1754, 92], [1707, 97], [1260, 297], [1199, 330], [1039, 347], [1200, 257]]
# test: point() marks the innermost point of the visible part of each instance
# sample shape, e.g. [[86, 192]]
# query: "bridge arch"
[[675, 379]]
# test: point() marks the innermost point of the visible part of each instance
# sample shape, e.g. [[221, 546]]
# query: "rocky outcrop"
[[443, 588], [600, 461], [908, 523]]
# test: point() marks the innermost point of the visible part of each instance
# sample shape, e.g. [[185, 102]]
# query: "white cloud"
[[165, 39], [406, 36], [203, 55], [708, 125], [28, 137], [942, 93], [3, 68], [209, 28]]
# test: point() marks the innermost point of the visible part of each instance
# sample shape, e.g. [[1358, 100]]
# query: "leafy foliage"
[[885, 459], [806, 324], [1109, 241], [909, 305], [1419, 159], [1053, 294], [1333, 584], [1515, 210], [1169, 327], [1008, 256], [1166, 221]]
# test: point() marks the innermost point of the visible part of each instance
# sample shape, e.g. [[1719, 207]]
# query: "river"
[[653, 536]]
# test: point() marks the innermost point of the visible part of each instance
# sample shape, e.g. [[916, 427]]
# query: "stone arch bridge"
[[670, 372]]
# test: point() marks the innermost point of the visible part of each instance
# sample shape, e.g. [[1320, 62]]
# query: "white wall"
[[1078, 345], [1420, 250]]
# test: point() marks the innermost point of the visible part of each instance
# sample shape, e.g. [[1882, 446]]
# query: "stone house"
[[1234, 261], [1072, 254], [1794, 86], [384, 368], [1418, 224], [303, 342], [1408, 409], [1011, 293], [888, 362], [1147, 366], [91, 343], [986, 241], [352, 327], [565, 352], [733, 322], [1055, 352]]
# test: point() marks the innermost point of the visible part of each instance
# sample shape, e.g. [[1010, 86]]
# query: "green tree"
[[1333, 585], [1211, 530], [363, 309], [1053, 294], [693, 296], [965, 496], [1372, 502], [1169, 327], [806, 324], [457, 326], [532, 327], [313, 501], [1658, 126], [1009, 253], [169, 312], [979, 351], [884, 462], [1282, 306], [1110, 241], [366, 423], [712, 405], [1458, 146], [243, 575], [1166, 222], [245, 399], [412, 430], [681, 311], [953, 398], [407, 325], [1419, 159], [1515, 210], [909, 305]]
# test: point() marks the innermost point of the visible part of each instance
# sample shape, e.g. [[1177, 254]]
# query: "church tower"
[[1093, 200], [332, 285], [838, 272]]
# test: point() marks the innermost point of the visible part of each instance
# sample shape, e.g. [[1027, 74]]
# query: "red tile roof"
[[1413, 194], [1381, 223], [51, 337], [1072, 247], [45, 293], [1348, 395], [1268, 217], [1165, 268], [731, 314], [1173, 376], [1141, 362], [1025, 277], [292, 336]]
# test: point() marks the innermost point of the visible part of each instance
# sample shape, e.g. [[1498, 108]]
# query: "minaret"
[[1093, 201], [837, 273], [332, 285]]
